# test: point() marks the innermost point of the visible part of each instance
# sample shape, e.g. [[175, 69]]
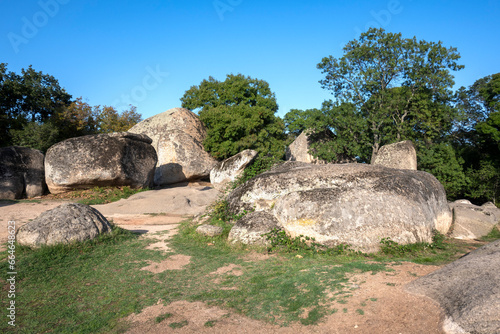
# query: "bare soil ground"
[[379, 304]]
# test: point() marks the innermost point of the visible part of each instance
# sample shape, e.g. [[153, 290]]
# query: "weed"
[[162, 317], [391, 284], [181, 324], [344, 310], [360, 311], [391, 247], [210, 323], [279, 240], [373, 299]]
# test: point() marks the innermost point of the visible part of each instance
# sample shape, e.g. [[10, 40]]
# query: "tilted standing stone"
[[230, 169]]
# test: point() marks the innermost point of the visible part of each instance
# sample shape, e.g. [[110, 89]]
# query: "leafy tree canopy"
[[400, 87], [478, 137], [29, 97], [239, 114]]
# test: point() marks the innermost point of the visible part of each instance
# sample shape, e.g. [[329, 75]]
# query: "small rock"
[[250, 229], [209, 230], [62, 225]]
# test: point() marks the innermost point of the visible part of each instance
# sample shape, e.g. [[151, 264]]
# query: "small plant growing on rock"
[[280, 240], [391, 247]]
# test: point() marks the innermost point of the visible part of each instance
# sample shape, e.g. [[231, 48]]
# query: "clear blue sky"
[[153, 51]]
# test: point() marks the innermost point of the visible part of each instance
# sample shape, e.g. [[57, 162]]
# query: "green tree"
[[29, 97], [110, 120], [478, 137], [337, 131], [389, 79], [239, 114]]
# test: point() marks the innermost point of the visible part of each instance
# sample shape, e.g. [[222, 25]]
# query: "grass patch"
[[180, 324], [210, 323], [162, 317], [88, 287], [493, 235]]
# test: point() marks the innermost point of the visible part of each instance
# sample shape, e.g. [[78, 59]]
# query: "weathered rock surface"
[[471, 221], [64, 224], [177, 135], [184, 201], [356, 204], [209, 230], [230, 169], [116, 159], [250, 229], [400, 155], [181, 158], [298, 150], [468, 290], [21, 172]]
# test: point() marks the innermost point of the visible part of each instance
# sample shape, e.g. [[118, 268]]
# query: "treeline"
[[36, 112], [386, 89]]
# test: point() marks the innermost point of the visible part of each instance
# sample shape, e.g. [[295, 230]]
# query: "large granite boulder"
[[355, 204], [472, 221], [400, 155], [66, 223], [177, 135], [468, 290], [230, 169], [21, 172], [116, 159]]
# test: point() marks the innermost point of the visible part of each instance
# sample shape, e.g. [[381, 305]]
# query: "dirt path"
[[379, 305]]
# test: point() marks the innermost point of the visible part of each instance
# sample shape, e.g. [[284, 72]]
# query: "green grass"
[[89, 287], [103, 195], [162, 317], [493, 235], [180, 324]]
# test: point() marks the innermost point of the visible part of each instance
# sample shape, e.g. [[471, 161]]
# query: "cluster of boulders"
[[161, 150]]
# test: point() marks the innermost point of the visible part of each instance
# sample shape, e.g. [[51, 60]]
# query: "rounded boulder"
[[64, 224], [116, 159]]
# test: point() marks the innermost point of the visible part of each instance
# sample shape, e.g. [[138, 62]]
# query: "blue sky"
[[148, 53]]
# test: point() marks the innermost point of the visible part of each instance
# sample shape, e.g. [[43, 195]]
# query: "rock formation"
[[355, 204], [252, 227], [64, 224], [117, 159], [177, 135], [468, 290], [21, 172], [209, 230], [400, 155], [471, 221], [230, 169]]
